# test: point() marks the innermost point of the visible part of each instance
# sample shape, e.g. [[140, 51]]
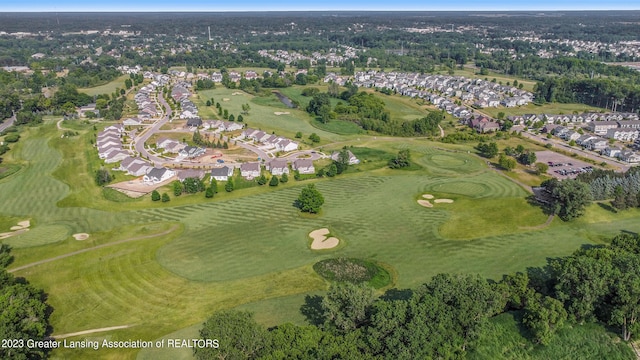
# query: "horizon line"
[[311, 10]]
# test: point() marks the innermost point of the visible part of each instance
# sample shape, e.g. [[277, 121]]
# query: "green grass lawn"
[[107, 88], [249, 248], [336, 126], [262, 114]]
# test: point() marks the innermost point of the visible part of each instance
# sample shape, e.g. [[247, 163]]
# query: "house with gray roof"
[[222, 173]]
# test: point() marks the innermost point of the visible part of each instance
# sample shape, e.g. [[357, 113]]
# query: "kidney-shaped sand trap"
[[320, 240], [425, 203], [81, 236]]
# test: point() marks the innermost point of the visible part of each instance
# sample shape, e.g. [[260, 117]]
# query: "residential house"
[[611, 151], [131, 122], [286, 145], [191, 152], [222, 174], [597, 144], [250, 170], [194, 122], [115, 156], [623, 134], [277, 167], [352, 158], [158, 175], [629, 156], [190, 173], [601, 127], [304, 166]]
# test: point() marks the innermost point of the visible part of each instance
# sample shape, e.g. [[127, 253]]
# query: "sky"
[[317, 5]]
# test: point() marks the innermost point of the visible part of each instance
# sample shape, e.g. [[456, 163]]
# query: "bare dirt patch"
[[137, 188], [427, 196], [80, 236], [446, 201], [425, 203], [320, 240], [281, 113]]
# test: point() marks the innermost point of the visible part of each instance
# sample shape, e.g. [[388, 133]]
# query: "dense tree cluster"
[[570, 197], [24, 314], [445, 317]]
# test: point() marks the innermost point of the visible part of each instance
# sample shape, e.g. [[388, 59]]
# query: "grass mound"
[[353, 270]]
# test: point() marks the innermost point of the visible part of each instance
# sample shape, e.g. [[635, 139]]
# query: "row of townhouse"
[[146, 104], [169, 145], [252, 170], [180, 93], [480, 92], [588, 117], [134, 166], [222, 126], [269, 141], [109, 144], [594, 142], [332, 57], [137, 166]]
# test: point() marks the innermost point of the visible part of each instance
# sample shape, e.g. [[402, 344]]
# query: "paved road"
[[7, 122], [587, 154], [146, 134]]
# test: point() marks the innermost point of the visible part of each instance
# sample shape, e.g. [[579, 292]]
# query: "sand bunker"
[[446, 201], [427, 196], [80, 236], [226, 99], [425, 203], [320, 240], [236, 93], [281, 113], [17, 229]]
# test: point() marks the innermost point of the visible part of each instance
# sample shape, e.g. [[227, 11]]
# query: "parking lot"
[[562, 166]]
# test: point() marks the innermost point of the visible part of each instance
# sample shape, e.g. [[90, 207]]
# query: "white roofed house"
[[223, 173], [278, 167], [250, 170], [158, 175], [304, 166]]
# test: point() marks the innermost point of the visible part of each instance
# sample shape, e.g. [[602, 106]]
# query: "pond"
[[285, 100]]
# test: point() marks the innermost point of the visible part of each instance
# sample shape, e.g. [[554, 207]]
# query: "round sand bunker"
[[425, 203], [320, 240], [81, 236]]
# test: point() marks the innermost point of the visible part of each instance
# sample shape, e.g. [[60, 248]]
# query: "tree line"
[[445, 317]]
